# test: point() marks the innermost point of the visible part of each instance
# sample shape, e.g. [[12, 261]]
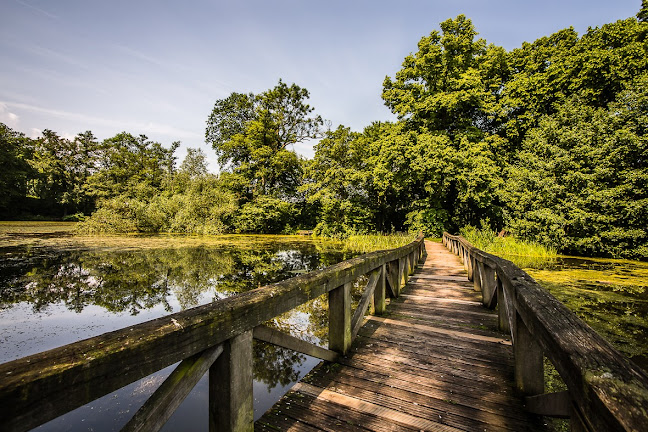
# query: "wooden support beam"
[[529, 361], [392, 279], [340, 318], [363, 304], [502, 312], [230, 387], [276, 337], [167, 398], [477, 275], [380, 291], [470, 261], [489, 287], [550, 404]]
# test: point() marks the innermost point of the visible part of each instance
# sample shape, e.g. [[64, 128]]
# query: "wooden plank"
[[416, 403], [159, 407], [440, 299], [317, 412], [466, 335], [373, 409], [276, 337]]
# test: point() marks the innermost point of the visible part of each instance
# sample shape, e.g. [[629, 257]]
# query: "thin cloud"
[[37, 9], [151, 128]]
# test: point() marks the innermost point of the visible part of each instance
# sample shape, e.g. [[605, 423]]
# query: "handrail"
[[40, 387], [606, 391]]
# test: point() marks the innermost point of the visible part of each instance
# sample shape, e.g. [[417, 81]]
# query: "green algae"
[[609, 295]]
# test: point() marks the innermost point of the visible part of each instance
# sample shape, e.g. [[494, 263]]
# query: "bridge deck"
[[434, 362]]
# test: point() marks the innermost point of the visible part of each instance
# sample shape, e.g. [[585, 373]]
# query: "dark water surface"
[[51, 296]]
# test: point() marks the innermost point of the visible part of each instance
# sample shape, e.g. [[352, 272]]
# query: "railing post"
[[339, 300], [502, 307], [477, 274], [380, 291], [471, 267], [392, 275], [488, 284], [402, 278], [230, 387], [529, 366]]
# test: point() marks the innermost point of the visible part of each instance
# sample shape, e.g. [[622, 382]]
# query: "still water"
[[55, 294]]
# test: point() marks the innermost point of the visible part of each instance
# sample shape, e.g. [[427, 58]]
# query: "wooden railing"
[[216, 337], [606, 391]]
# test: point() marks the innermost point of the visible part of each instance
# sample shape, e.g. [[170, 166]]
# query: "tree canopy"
[[546, 141]]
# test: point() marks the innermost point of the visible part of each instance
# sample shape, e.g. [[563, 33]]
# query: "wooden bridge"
[[439, 358]]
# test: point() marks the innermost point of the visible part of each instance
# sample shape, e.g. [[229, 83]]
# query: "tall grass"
[[372, 242], [521, 252]]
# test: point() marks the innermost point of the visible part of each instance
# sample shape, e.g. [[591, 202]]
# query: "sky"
[[157, 67]]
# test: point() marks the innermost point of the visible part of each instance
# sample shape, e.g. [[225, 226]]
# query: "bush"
[[265, 214]]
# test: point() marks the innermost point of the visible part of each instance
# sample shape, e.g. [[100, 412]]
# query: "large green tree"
[[15, 151], [252, 135], [580, 182]]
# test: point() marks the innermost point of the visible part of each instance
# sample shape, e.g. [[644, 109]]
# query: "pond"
[[608, 294], [56, 288]]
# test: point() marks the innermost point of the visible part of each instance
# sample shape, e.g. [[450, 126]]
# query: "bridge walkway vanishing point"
[[433, 362]]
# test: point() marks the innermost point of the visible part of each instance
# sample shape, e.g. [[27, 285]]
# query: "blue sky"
[[157, 67]]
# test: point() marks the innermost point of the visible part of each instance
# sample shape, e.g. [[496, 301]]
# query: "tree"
[[130, 165], [194, 164], [451, 83], [580, 183], [251, 135], [15, 152]]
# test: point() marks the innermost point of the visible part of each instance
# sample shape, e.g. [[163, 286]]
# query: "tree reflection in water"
[[134, 285]]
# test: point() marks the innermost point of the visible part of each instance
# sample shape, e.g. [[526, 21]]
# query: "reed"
[[527, 253], [372, 242]]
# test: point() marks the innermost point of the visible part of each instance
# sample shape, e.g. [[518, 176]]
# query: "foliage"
[[580, 181], [507, 246], [371, 242], [15, 152], [264, 214], [251, 134]]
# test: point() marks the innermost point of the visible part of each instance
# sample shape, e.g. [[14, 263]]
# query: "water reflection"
[[50, 297]]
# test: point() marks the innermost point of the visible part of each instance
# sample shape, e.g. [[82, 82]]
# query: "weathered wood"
[[40, 387], [276, 337], [380, 292], [550, 404], [373, 409], [339, 331], [363, 304], [440, 378], [230, 387], [392, 279], [502, 312], [159, 407], [477, 275], [489, 287], [608, 391]]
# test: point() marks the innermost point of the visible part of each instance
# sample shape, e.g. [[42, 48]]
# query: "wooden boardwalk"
[[433, 362]]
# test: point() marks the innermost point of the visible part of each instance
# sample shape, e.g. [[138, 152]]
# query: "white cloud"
[[35, 133], [7, 117]]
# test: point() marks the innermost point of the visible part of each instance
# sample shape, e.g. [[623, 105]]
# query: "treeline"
[[547, 141]]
